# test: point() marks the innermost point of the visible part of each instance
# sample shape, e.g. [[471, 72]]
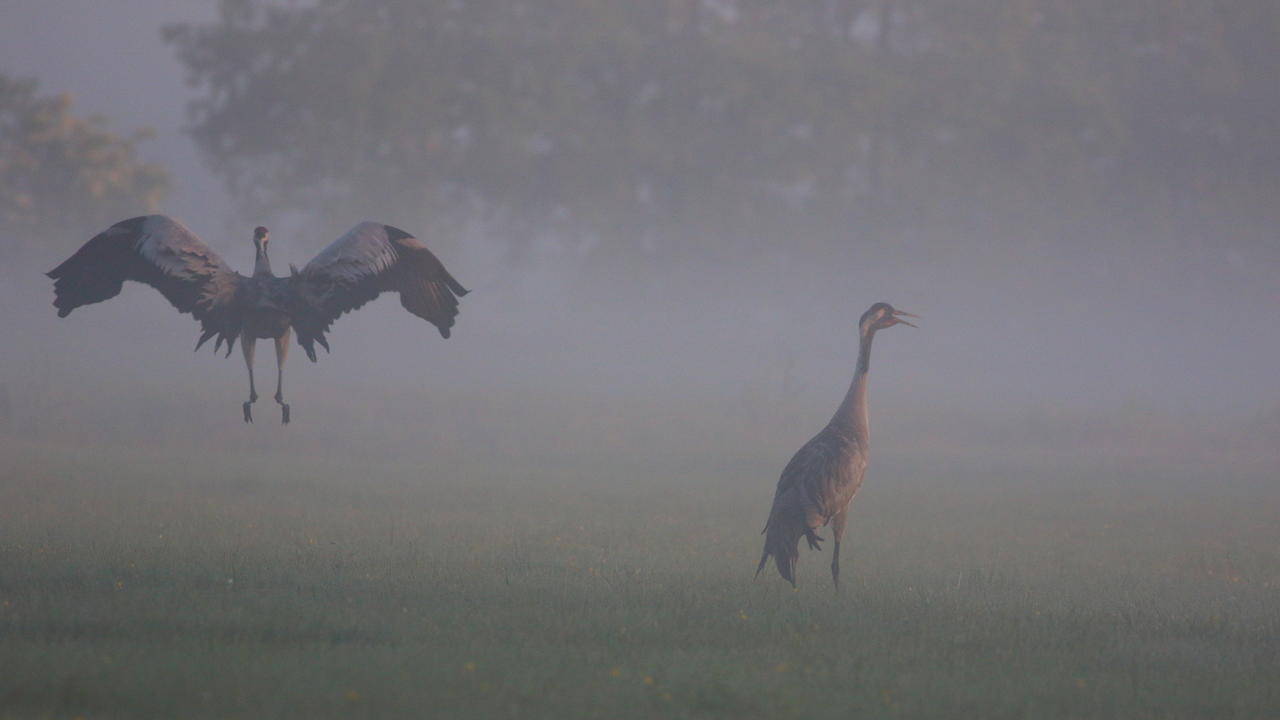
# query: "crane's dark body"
[[157, 250], [819, 483], [266, 303]]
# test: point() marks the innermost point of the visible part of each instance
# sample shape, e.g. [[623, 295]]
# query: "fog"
[[1131, 342], [670, 216]]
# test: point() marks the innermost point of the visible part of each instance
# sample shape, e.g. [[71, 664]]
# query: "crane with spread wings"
[[371, 258]]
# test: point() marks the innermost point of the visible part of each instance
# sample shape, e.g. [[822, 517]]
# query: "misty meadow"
[[671, 218]]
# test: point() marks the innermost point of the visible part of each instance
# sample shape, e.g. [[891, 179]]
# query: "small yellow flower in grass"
[[648, 680], [742, 614], [615, 672], [468, 666], [352, 695]]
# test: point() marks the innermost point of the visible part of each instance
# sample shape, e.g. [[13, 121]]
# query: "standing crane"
[[819, 483], [371, 258]]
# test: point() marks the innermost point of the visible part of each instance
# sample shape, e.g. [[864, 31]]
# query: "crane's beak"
[[897, 313]]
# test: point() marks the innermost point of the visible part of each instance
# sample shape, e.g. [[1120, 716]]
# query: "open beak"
[[898, 313]]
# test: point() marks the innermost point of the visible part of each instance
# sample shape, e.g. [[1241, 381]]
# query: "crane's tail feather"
[[204, 338], [782, 541]]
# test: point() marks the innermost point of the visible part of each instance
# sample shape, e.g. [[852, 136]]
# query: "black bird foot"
[[284, 414], [813, 539], [248, 412]]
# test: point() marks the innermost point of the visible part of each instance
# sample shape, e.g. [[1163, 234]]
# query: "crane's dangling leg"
[[837, 530], [282, 352], [246, 345]]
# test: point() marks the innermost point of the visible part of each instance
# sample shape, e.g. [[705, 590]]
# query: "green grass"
[[148, 583]]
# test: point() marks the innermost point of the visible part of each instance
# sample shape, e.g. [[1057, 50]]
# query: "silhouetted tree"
[[63, 175], [714, 124]]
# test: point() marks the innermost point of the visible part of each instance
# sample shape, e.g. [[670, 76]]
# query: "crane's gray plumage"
[[819, 482], [368, 260], [161, 252]]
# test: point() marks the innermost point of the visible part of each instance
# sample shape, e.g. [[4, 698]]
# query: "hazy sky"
[[1196, 329]]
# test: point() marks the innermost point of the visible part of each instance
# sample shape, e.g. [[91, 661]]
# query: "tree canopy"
[[714, 123], [61, 174]]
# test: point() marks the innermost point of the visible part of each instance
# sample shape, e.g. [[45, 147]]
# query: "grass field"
[[165, 582]]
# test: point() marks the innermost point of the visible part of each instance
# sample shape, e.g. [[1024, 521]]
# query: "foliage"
[[62, 175], [658, 125]]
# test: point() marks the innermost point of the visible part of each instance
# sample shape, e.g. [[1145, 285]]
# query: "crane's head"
[[261, 237], [881, 316]]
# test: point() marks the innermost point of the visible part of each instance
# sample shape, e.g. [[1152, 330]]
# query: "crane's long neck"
[[852, 413], [262, 263]]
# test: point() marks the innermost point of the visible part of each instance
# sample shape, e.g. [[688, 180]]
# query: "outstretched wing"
[[370, 259], [161, 252]]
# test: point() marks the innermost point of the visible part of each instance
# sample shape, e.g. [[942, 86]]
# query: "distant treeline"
[[62, 173], [716, 126]]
